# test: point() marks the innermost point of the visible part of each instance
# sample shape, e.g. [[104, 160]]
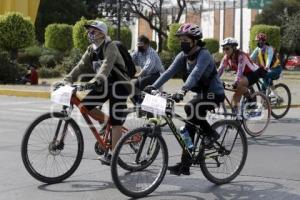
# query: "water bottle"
[[186, 137]]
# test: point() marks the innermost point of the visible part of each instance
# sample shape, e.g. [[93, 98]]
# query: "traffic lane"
[[17, 182]]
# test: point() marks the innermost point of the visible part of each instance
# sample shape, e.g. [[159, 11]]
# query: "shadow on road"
[[77, 186], [201, 189], [285, 121], [275, 140]]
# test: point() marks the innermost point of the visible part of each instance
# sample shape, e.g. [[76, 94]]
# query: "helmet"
[[230, 41], [189, 29], [261, 37]]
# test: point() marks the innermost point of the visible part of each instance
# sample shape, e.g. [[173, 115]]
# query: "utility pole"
[[241, 25], [119, 20]]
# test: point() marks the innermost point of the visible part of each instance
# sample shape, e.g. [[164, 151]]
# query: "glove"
[[178, 96], [91, 85], [59, 84], [149, 88]]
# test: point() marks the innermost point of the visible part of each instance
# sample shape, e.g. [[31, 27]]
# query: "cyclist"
[[265, 55], [101, 58], [200, 76], [151, 66], [247, 72]]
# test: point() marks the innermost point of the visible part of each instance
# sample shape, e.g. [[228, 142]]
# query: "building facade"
[[28, 8], [218, 19]]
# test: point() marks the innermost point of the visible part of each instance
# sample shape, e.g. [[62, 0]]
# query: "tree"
[[66, 11], [152, 12], [92, 9], [290, 38], [272, 14], [16, 32]]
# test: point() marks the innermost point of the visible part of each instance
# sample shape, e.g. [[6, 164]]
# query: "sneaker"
[[210, 139], [179, 169], [105, 159], [272, 95]]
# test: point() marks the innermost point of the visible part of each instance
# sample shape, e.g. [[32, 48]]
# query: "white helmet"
[[230, 41]]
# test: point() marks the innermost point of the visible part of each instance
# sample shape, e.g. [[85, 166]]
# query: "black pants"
[[196, 110], [142, 82]]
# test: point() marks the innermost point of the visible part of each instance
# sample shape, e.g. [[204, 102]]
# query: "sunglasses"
[[226, 48]]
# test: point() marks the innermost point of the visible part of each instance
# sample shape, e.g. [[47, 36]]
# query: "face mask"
[[260, 44], [186, 47], [95, 41], [141, 49]]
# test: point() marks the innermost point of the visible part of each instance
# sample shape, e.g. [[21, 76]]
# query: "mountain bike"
[[220, 164], [279, 96], [52, 146]]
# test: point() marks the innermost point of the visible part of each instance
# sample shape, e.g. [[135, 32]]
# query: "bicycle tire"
[[31, 131], [246, 121], [286, 88], [123, 181], [207, 154], [134, 145]]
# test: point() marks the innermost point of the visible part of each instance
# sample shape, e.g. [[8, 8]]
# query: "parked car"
[[293, 63]]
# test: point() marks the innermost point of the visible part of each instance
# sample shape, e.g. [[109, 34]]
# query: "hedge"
[[10, 71], [173, 41], [80, 36], [59, 37], [212, 45], [80, 39], [272, 32], [16, 32], [125, 37]]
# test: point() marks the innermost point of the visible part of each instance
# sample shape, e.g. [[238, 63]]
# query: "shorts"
[[117, 103], [253, 77]]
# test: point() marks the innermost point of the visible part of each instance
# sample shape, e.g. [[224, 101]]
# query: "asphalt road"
[[272, 169]]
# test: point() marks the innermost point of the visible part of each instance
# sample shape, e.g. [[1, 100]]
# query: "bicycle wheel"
[[139, 181], [280, 100], [256, 114], [45, 157], [225, 161]]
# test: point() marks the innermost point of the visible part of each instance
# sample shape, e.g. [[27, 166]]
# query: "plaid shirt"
[[149, 61]]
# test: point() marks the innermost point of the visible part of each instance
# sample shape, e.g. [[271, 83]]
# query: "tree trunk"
[[13, 54], [160, 42]]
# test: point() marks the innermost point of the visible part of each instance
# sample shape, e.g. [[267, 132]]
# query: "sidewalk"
[[173, 85]]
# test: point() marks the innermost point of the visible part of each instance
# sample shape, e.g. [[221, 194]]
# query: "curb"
[[25, 93], [46, 95]]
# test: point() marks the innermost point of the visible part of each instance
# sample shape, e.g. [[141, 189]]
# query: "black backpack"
[[129, 64]]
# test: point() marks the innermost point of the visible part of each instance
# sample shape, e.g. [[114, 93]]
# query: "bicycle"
[[216, 163], [255, 111], [52, 146], [279, 96]]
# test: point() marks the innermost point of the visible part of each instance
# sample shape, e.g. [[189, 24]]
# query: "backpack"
[[129, 64]]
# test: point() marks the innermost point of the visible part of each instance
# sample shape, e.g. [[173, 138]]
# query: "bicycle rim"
[[224, 162], [42, 157], [139, 181], [280, 100], [256, 119]]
